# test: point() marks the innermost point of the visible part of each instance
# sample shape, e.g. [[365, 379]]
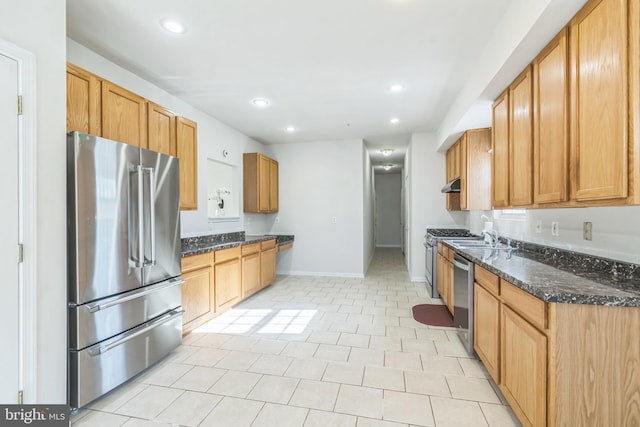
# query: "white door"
[[9, 230]]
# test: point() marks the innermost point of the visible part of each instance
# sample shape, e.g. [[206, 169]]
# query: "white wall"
[[368, 186], [616, 230], [213, 138], [38, 26], [388, 221], [428, 204], [319, 181]]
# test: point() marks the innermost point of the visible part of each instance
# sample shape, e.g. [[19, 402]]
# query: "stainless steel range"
[[431, 239]]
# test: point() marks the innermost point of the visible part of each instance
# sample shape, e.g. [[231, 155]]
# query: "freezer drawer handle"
[[101, 350], [98, 307]]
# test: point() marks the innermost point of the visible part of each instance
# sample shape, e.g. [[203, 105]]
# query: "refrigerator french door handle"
[[135, 262], [152, 215], [140, 262], [101, 350], [153, 288]]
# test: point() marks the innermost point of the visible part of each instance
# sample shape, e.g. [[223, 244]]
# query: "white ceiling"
[[326, 66]]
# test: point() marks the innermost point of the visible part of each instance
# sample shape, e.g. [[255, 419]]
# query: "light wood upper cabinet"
[[124, 115], [521, 140], [162, 129], [551, 122], [273, 186], [187, 152], [500, 146], [83, 101], [475, 170], [599, 93], [260, 183], [453, 161]]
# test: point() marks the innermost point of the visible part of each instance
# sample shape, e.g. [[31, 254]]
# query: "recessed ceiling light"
[[396, 87], [173, 26], [290, 129], [386, 151], [394, 121], [260, 102], [387, 167]]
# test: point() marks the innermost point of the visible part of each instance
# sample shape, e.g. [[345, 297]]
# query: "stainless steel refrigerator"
[[125, 304]]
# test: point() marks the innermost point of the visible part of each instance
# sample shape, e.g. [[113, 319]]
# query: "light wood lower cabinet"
[[523, 376], [228, 273], [486, 339], [198, 299], [558, 364], [445, 275], [268, 262], [251, 272]]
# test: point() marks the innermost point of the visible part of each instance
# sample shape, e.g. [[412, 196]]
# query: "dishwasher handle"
[[461, 263]]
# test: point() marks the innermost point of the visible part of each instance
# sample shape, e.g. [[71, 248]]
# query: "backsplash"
[[615, 230]]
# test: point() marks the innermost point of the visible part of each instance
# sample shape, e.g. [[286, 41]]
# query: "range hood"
[[452, 187]]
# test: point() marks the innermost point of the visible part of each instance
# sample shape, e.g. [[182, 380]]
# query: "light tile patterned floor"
[[314, 351]]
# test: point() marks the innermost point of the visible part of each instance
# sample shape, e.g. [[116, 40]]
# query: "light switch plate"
[[555, 228]]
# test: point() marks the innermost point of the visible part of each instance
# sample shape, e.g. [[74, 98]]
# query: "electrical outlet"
[[334, 220], [277, 220], [539, 226], [555, 228], [586, 230]]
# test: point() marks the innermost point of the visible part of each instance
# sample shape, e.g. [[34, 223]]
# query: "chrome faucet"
[[491, 237]]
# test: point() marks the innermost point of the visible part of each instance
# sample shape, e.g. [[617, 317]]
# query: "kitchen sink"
[[477, 244]]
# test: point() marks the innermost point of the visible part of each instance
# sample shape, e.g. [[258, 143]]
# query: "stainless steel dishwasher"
[[463, 277]]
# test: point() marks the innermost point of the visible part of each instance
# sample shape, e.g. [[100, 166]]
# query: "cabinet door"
[[263, 183], [83, 101], [486, 338], [440, 277], [251, 274], [187, 152], [500, 158], [476, 170], [551, 122], [228, 283], [124, 116], [521, 140], [273, 186], [523, 370], [162, 129], [197, 294], [462, 171], [268, 266], [599, 96]]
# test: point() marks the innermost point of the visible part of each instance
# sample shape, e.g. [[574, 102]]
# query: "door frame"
[[27, 134]]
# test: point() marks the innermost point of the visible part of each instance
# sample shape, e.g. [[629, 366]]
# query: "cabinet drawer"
[[250, 249], [530, 307], [285, 246], [268, 244], [227, 254], [196, 261], [487, 280]]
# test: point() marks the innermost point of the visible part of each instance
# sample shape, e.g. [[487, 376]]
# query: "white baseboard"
[[388, 246], [418, 279], [319, 274]]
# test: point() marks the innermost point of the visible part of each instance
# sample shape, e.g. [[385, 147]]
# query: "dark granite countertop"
[[215, 242], [554, 275]]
